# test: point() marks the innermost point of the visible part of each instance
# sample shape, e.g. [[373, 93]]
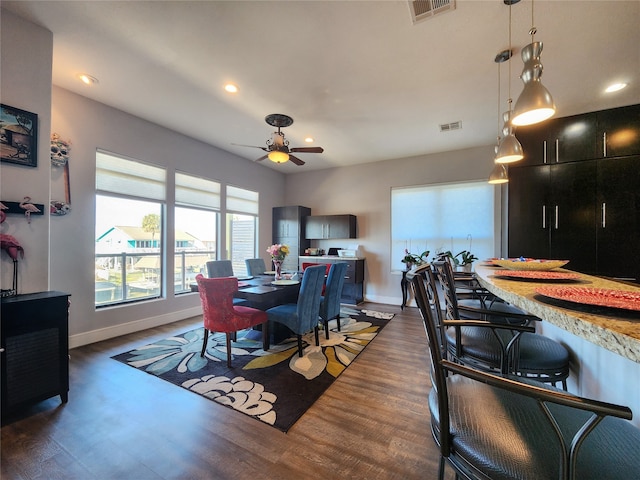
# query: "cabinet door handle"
[[604, 144], [544, 216], [544, 152], [556, 224], [557, 148], [604, 215]]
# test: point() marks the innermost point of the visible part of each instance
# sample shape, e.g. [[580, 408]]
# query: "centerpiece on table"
[[278, 253]]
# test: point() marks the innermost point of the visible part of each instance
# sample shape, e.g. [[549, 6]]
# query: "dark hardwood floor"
[[120, 423]]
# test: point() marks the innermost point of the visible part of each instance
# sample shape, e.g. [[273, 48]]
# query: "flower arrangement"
[[278, 252], [413, 259]]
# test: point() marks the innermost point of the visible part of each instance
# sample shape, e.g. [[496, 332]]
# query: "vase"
[[277, 266]]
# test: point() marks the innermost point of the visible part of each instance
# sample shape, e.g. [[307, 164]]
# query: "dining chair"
[[490, 426], [327, 266], [255, 266], [504, 347], [330, 301], [303, 316], [219, 268], [221, 315]]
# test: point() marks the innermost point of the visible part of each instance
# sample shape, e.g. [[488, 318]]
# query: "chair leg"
[[315, 330], [300, 345], [265, 336], [326, 328], [228, 349], [338, 320], [204, 342]]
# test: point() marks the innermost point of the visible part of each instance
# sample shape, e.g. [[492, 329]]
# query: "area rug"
[[275, 387]]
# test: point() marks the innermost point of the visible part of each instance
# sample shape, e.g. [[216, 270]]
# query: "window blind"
[[128, 177], [241, 200], [197, 191]]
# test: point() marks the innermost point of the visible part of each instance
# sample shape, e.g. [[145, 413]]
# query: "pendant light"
[[535, 103], [499, 173], [509, 149]]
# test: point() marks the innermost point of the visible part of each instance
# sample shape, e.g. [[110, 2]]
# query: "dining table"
[[596, 318]]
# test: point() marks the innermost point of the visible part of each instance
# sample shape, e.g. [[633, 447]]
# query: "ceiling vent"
[[447, 127], [423, 9]]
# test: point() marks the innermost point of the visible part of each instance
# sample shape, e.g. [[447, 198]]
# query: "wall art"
[[18, 136]]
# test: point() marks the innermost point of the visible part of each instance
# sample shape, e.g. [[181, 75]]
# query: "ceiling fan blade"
[[250, 146], [307, 149], [261, 158], [296, 160]]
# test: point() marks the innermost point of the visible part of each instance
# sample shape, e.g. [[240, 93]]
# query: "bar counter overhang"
[[604, 343]]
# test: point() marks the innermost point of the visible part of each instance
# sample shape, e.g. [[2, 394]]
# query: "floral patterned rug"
[[275, 387]]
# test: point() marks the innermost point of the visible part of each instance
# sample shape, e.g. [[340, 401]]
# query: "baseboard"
[[100, 334]]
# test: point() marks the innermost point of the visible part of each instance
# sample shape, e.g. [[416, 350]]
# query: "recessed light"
[[87, 79], [231, 88], [309, 140], [614, 87]]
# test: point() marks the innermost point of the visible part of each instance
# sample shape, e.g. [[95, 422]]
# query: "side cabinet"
[[35, 349], [288, 228]]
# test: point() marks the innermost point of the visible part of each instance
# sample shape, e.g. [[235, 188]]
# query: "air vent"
[[447, 127], [423, 9]]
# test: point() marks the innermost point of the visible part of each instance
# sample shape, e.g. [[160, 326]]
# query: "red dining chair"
[[221, 315]]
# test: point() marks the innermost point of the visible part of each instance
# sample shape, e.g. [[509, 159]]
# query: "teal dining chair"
[[330, 302], [255, 266], [303, 316], [219, 268]]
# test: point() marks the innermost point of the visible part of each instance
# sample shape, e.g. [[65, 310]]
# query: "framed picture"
[[18, 136]]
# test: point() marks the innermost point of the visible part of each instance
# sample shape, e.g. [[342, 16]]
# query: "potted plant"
[[411, 259], [461, 260]]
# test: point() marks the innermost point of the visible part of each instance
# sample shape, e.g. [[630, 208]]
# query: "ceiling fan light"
[[510, 150], [278, 156], [498, 174]]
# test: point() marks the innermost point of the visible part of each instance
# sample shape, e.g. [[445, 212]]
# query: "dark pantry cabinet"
[[580, 206], [35, 349], [288, 228]]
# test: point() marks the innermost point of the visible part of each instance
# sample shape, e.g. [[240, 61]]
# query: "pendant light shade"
[[510, 149], [498, 174], [535, 103]]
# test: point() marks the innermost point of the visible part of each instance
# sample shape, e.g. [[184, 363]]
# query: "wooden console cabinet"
[[34, 349], [353, 289]]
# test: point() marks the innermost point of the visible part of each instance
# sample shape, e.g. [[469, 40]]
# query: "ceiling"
[[358, 76]]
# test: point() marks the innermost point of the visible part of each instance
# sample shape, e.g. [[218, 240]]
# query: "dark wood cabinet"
[[320, 227], [618, 217], [288, 226], [35, 349], [353, 289], [559, 140], [619, 132]]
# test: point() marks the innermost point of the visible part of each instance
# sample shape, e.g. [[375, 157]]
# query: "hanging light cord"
[[533, 30], [510, 100]]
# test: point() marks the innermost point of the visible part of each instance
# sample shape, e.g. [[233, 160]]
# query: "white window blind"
[[241, 200], [445, 217], [196, 191], [116, 174]]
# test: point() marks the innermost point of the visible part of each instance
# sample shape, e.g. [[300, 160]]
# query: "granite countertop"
[[615, 330]]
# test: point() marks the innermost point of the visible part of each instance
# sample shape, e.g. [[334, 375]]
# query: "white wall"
[[365, 191], [25, 83]]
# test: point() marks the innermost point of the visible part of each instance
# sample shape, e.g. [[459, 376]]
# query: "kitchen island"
[[604, 343]]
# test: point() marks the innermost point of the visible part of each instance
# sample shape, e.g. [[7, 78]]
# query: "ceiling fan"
[[277, 148]]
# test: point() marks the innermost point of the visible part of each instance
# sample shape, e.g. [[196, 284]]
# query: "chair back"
[[445, 275], [219, 268], [216, 295], [309, 297], [426, 296], [330, 306], [255, 266]]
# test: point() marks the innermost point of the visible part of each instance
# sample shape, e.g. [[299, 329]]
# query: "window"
[[438, 218], [242, 227], [196, 227], [130, 199]]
